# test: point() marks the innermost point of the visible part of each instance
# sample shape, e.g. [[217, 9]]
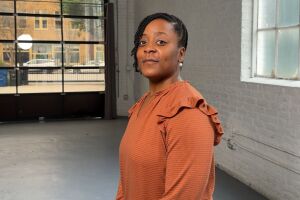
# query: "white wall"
[[262, 122], [124, 29]]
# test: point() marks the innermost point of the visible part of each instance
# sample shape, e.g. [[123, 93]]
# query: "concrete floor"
[[74, 160]]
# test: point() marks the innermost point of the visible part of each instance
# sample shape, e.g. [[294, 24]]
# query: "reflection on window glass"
[[265, 53], [39, 55], [7, 28], [45, 23], [38, 6], [84, 80], [40, 63], [266, 13], [83, 8], [8, 81], [40, 81], [288, 12], [288, 53], [71, 54], [57, 22], [84, 55], [7, 57], [39, 28], [100, 59], [41, 23], [83, 29], [7, 6]]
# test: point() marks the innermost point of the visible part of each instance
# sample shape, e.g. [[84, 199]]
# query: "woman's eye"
[[161, 42], [142, 43]]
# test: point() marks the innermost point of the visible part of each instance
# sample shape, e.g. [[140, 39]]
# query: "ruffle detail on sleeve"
[[193, 102]]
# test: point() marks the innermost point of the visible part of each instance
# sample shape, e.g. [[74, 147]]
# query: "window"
[[57, 21], [63, 35], [41, 51], [271, 40], [40, 23], [8, 54]]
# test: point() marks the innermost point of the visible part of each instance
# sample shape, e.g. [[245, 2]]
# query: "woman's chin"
[[149, 73]]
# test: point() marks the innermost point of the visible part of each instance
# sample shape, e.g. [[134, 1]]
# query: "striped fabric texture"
[[167, 150]]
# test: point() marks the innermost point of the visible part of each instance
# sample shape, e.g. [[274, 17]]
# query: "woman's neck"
[[158, 86]]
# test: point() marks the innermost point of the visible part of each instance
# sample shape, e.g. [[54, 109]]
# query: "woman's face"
[[158, 54]]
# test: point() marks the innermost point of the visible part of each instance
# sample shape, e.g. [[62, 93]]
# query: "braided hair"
[[179, 29]]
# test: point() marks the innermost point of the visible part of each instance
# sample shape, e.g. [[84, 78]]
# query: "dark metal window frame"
[[61, 16]]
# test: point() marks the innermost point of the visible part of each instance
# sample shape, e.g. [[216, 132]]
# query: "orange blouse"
[[166, 152]]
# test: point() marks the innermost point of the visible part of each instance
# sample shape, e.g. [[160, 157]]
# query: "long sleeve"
[[189, 141], [120, 195]]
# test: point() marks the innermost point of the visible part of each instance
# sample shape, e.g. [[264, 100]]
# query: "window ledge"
[[269, 81]]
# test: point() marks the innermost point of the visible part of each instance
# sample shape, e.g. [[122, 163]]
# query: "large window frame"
[[249, 47], [56, 17]]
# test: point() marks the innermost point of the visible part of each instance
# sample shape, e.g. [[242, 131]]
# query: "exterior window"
[[276, 39], [40, 23], [57, 21], [36, 23], [44, 23], [74, 55], [41, 51]]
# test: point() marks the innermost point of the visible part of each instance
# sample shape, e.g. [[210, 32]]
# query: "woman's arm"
[[189, 139]]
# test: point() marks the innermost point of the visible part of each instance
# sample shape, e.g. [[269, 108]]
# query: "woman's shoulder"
[[184, 97], [135, 105]]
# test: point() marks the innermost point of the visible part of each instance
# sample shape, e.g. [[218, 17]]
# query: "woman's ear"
[[181, 54]]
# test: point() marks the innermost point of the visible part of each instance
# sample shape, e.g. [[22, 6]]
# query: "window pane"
[[84, 80], [266, 13], [38, 6], [36, 23], [84, 55], [288, 53], [7, 28], [288, 12], [6, 6], [7, 81], [39, 55], [45, 23], [83, 30], [40, 28], [83, 7], [265, 53], [40, 81], [7, 55]]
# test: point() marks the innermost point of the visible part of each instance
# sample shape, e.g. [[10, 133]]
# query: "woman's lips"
[[150, 61]]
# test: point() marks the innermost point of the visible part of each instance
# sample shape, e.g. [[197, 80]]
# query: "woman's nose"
[[149, 49]]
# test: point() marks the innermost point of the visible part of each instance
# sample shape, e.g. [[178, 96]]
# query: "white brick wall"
[[262, 121]]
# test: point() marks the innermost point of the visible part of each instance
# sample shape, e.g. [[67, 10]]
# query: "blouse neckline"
[[172, 85]]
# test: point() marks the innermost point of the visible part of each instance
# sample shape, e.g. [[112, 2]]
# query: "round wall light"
[[25, 37]]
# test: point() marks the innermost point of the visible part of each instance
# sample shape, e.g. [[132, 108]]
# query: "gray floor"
[[74, 160]]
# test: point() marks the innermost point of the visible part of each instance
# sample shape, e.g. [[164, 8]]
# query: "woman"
[[167, 149]]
